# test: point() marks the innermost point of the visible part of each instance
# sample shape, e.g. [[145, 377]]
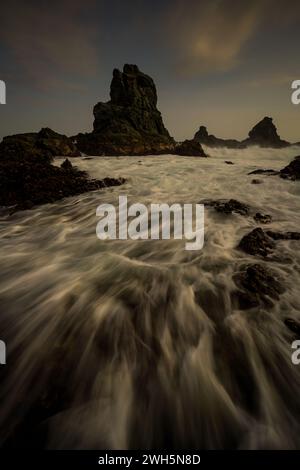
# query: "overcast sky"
[[220, 63]]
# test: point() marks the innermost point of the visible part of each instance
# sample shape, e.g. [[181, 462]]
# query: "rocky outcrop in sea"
[[130, 123], [263, 134], [27, 177], [210, 140], [44, 144]]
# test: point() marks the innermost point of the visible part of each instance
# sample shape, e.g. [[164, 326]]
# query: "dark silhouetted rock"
[[283, 235], [228, 162], [292, 170], [130, 123], [66, 165], [258, 286], [257, 242], [43, 145], [263, 171], [203, 137], [255, 181], [262, 218], [189, 148], [229, 206], [27, 180], [293, 325], [265, 134]]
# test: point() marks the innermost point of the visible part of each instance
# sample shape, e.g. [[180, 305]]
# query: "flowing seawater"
[[136, 344]]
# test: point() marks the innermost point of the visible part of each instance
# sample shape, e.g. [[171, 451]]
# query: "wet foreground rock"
[[291, 171], [228, 206], [258, 286], [257, 243], [26, 181], [262, 243], [264, 171], [283, 235], [262, 218]]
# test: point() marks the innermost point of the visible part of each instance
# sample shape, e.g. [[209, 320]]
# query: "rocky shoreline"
[[28, 178]]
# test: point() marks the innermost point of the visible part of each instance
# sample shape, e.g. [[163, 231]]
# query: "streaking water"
[[135, 344]]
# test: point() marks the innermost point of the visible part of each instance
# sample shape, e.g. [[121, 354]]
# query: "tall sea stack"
[[130, 123]]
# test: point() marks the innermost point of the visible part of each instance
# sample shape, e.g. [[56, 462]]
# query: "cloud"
[[50, 42], [210, 36], [275, 80]]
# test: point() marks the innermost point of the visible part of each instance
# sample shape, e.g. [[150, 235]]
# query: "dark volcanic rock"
[[263, 171], [189, 148], [258, 286], [229, 206], [26, 181], [262, 218], [66, 165], [130, 123], [283, 235], [265, 134], [257, 242], [44, 144], [203, 137], [291, 171]]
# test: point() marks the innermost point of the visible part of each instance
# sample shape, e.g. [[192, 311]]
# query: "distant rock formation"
[[265, 134], [189, 148], [203, 137], [130, 123]]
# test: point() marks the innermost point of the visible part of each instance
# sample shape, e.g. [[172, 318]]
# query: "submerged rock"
[[262, 218], [189, 148], [130, 123], [263, 171], [283, 235], [265, 134], [292, 170], [257, 242], [258, 286], [229, 206]]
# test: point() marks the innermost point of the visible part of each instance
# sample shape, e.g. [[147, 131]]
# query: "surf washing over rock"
[[142, 344]]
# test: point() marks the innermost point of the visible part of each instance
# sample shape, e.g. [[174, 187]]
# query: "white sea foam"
[[129, 343]]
